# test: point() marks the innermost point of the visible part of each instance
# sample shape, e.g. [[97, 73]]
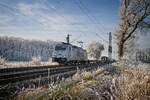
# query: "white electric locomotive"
[[65, 53]]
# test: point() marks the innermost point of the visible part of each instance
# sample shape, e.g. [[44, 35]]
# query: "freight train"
[[65, 53]]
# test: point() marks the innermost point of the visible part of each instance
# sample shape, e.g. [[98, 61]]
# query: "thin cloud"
[[30, 9], [25, 9], [40, 18], [49, 21]]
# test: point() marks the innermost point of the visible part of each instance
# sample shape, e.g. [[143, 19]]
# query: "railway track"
[[14, 75], [13, 80]]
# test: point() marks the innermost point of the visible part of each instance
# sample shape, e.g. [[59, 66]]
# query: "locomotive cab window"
[[60, 48]]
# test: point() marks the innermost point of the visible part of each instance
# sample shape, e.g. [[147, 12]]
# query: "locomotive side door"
[[68, 53]]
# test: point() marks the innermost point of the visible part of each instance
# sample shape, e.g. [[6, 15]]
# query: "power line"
[[76, 39], [54, 9], [86, 11], [62, 16], [80, 43], [92, 17], [15, 10], [101, 37]]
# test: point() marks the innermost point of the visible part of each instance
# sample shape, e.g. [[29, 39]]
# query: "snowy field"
[[26, 64]]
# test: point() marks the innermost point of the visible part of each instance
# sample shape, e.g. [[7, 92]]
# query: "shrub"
[[36, 61], [133, 84], [2, 61], [87, 75]]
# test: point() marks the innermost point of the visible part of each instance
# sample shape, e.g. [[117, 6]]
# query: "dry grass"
[[133, 84], [130, 84]]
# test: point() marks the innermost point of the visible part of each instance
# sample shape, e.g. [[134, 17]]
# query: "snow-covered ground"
[[26, 64]]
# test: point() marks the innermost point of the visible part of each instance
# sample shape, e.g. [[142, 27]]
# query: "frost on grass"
[[2, 61], [36, 61], [133, 84], [129, 84], [81, 86]]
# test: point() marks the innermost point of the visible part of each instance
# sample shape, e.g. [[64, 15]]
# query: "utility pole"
[[110, 46], [68, 38]]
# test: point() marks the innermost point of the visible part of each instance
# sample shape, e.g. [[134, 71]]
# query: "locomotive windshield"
[[60, 47]]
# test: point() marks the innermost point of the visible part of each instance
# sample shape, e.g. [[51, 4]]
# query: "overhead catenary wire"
[[85, 13], [76, 39], [92, 19], [14, 10], [62, 16]]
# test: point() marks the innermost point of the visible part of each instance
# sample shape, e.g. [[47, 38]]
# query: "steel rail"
[[20, 74]]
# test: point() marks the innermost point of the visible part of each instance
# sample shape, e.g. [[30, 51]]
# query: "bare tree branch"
[[133, 15]]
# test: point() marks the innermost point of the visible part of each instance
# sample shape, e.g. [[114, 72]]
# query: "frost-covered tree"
[[135, 15], [18, 49], [95, 49]]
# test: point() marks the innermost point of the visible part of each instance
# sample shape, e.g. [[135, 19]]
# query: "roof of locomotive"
[[74, 46]]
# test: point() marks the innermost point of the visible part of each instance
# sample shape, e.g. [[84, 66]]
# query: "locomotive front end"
[[59, 53]]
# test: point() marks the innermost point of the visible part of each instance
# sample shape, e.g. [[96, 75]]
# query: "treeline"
[[18, 49], [143, 55]]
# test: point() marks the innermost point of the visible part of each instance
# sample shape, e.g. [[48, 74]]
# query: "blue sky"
[[54, 19]]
